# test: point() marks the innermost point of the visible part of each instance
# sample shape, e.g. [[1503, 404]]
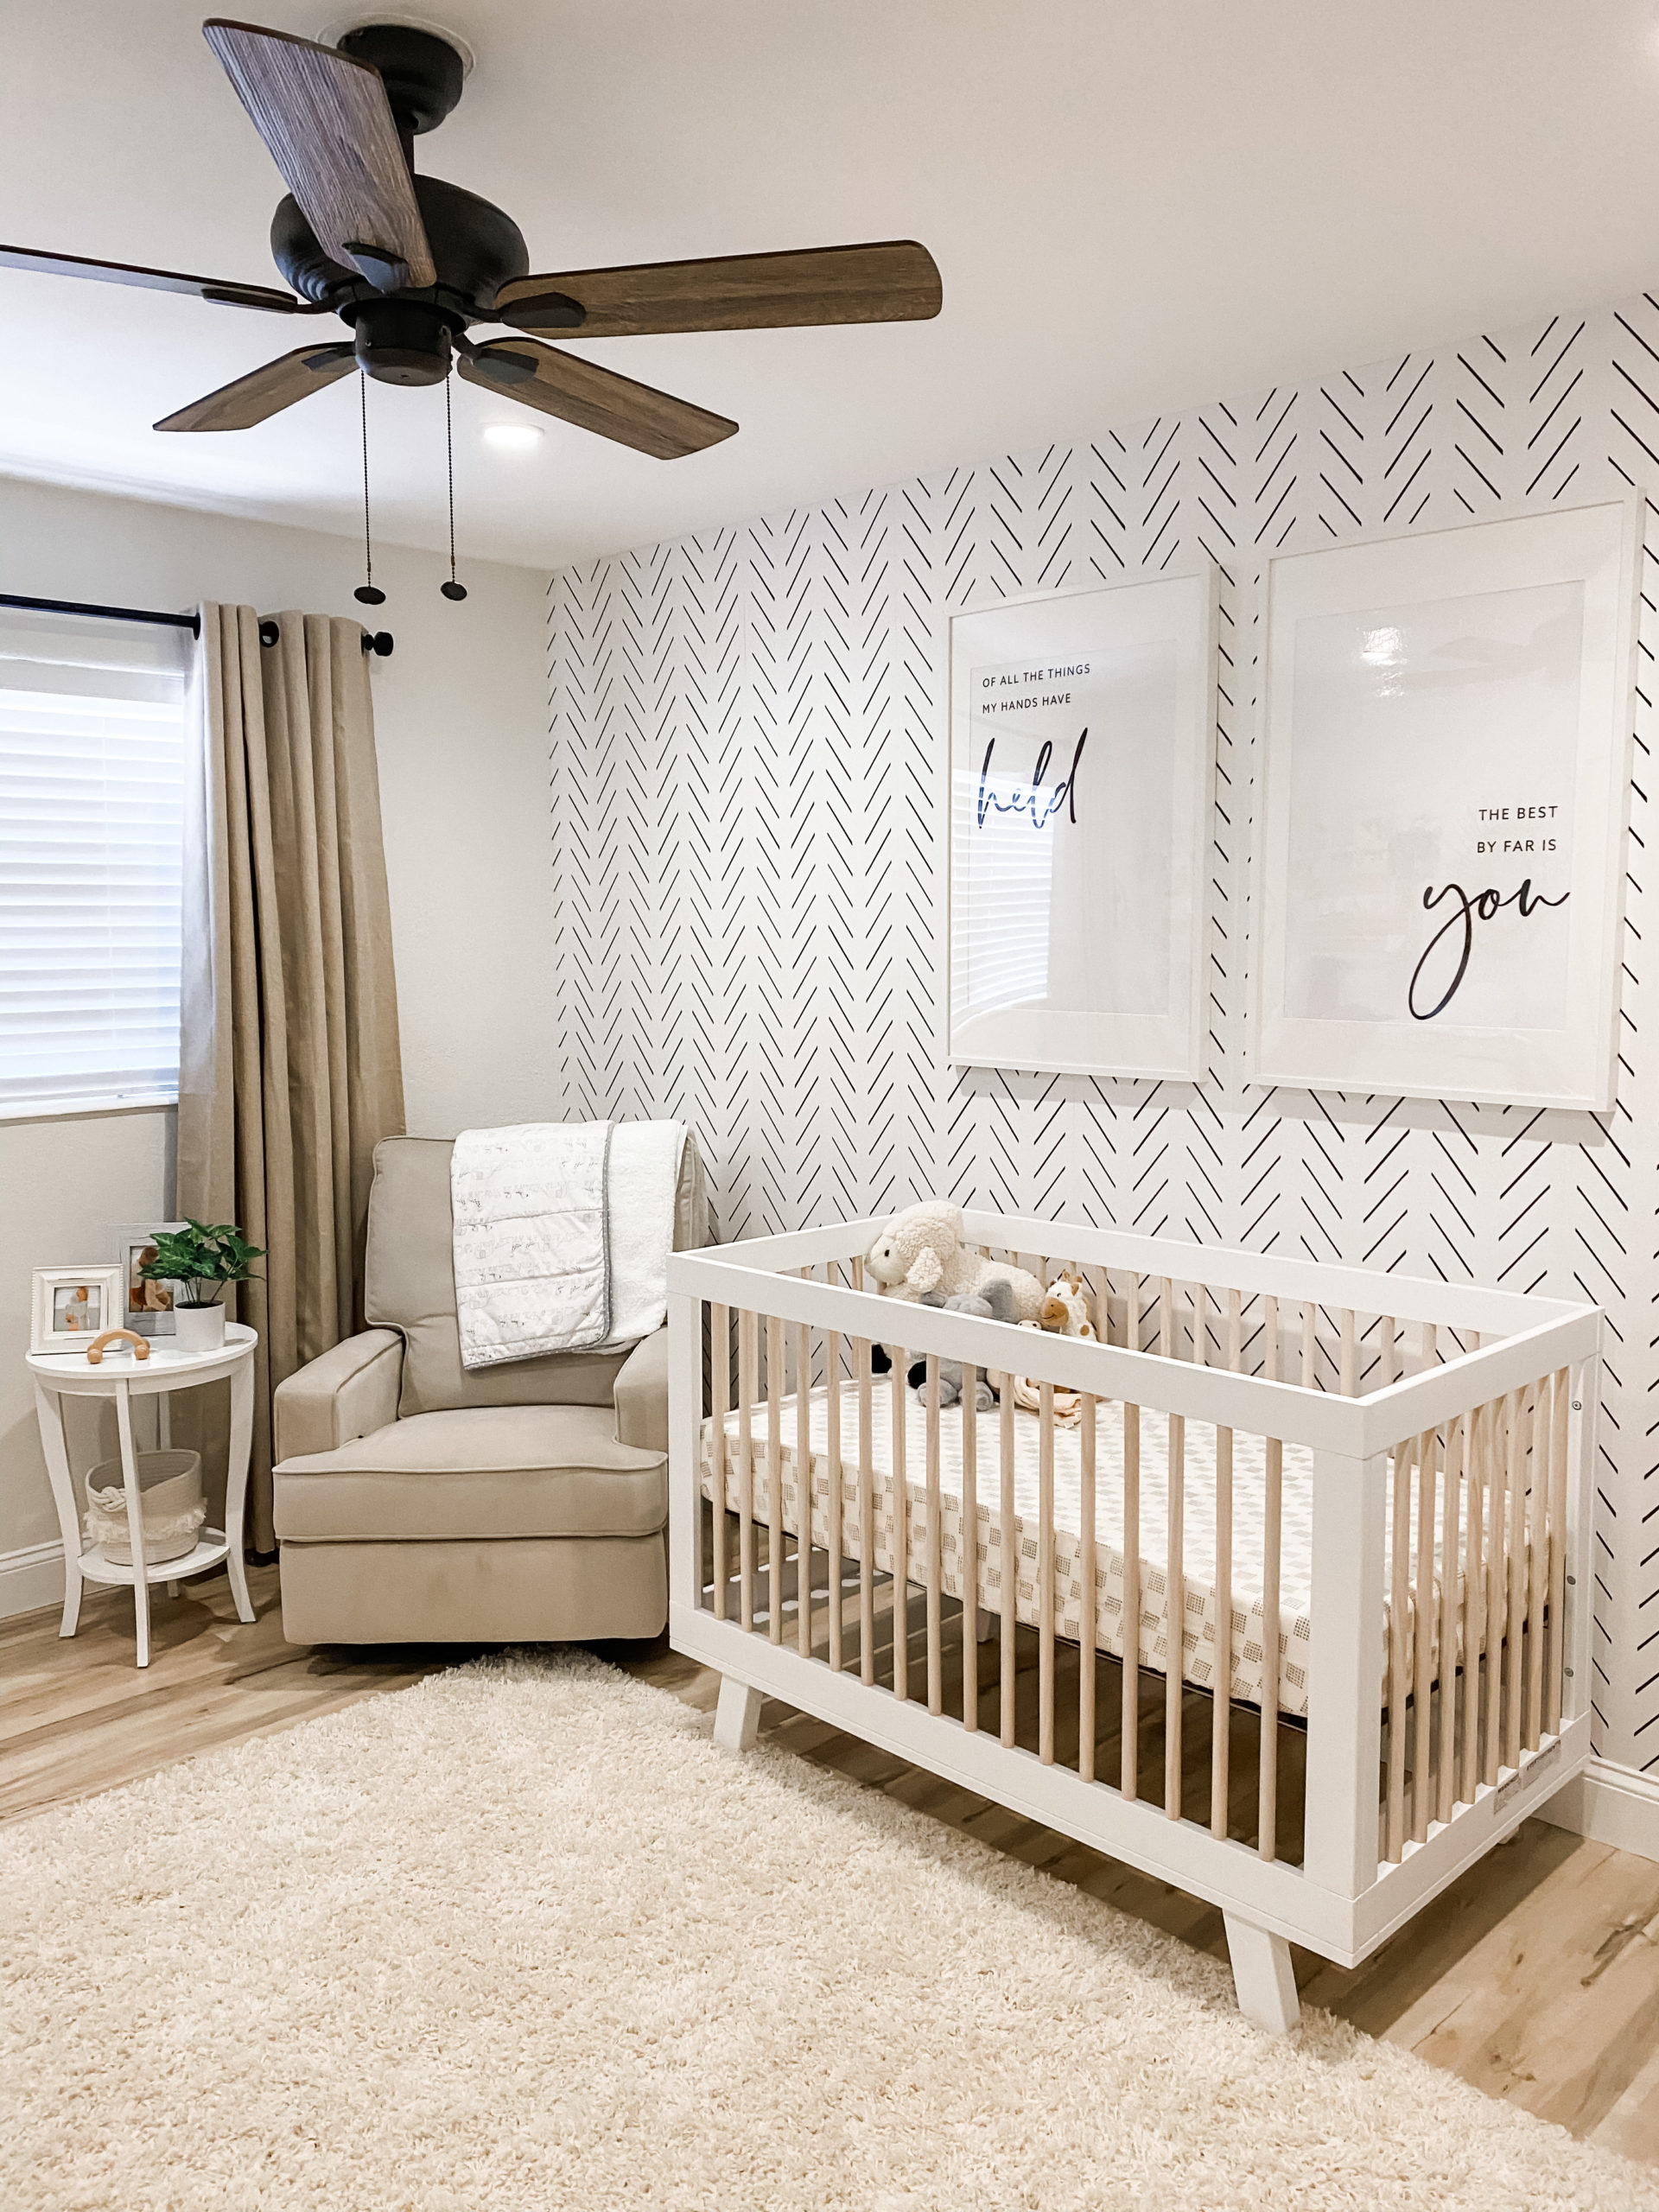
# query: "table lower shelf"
[[211, 1550]]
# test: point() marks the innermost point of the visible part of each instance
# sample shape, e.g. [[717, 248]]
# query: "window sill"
[[77, 1110]]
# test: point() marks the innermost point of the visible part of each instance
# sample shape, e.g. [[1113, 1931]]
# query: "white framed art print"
[[1078, 785], [1445, 733]]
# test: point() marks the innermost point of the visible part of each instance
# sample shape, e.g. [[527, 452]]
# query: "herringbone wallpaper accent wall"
[[744, 728]]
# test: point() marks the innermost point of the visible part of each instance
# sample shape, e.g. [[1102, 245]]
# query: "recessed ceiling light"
[[512, 437]]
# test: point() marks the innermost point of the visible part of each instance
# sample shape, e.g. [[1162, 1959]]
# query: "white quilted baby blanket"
[[531, 1239]]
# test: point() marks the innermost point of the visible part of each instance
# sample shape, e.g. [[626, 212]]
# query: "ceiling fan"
[[411, 263]]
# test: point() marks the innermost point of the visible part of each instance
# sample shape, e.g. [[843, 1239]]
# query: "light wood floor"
[[1535, 1978]]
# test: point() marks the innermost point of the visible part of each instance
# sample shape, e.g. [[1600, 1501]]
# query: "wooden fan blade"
[[156, 280], [251, 399], [593, 399], [328, 124], [894, 282]]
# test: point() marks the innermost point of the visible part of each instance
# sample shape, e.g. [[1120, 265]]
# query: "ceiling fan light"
[[512, 437]]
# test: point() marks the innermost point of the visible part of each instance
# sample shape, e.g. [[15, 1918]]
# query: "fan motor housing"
[[476, 248]]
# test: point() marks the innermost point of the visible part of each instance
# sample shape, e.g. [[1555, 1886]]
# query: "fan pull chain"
[[452, 589], [367, 591]]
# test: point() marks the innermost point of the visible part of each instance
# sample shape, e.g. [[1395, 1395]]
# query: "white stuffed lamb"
[[921, 1249]]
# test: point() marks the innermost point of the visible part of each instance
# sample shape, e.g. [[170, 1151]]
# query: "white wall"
[[461, 718]]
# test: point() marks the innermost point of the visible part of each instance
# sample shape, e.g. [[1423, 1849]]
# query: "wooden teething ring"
[[95, 1350]]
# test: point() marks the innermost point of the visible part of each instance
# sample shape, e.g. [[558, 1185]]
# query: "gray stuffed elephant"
[[993, 1303]]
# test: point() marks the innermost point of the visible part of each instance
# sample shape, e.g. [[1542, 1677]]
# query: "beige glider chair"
[[417, 1503]]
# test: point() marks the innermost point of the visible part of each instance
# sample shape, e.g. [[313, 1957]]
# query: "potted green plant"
[[201, 1258]]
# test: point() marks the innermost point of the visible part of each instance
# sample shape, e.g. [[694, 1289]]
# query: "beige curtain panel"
[[289, 1072]]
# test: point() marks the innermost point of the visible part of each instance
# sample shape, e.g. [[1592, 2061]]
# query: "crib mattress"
[[993, 1575]]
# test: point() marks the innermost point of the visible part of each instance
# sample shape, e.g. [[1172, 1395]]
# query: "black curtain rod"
[[377, 641]]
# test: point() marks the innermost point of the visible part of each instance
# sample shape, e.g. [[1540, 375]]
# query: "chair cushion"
[[409, 1285], [477, 1472]]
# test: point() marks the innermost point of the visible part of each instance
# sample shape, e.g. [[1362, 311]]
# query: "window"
[[92, 824]]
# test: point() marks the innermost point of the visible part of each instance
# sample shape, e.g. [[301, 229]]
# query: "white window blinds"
[[91, 821]]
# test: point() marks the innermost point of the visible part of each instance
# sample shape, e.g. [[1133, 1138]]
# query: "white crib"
[[1363, 1500]]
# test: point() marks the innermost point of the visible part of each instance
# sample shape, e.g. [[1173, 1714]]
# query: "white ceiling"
[[1135, 204]]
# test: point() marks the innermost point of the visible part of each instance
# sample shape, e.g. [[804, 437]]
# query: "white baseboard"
[[30, 1578], [1610, 1804]]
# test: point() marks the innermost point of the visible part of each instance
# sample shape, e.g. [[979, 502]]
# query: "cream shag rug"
[[520, 1939]]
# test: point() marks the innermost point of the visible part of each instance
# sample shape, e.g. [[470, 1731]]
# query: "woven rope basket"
[[171, 1503]]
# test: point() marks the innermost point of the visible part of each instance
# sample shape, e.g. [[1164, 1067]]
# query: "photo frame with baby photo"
[[148, 1307], [72, 1306]]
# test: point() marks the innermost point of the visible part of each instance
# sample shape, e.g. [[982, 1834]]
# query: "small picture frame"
[[147, 1307], [72, 1306]]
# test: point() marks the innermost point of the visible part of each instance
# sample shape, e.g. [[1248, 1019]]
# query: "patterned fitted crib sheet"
[[1200, 1643]]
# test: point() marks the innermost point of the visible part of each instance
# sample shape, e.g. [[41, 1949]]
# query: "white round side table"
[[123, 1377]]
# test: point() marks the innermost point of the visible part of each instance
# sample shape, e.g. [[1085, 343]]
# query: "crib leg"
[[984, 1628], [1262, 1976], [737, 1716]]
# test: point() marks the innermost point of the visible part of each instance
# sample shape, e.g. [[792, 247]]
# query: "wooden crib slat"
[[1555, 1681], [1347, 1359], [803, 1484], [1399, 1565], [1174, 1580], [1086, 1573], [935, 1545], [1474, 1593], [1267, 1816], [1422, 1811], [1310, 1345], [1222, 1692], [1387, 1358], [834, 1535], [749, 1361], [865, 1352], [1129, 1732], [774, 1478], [1175, 1571], [1267, 1795], [1497, 1587], [1221, 1718], [720, 1361], [900, 1495], [1450, 1501], [1010, 1589], [1520, 1435], [1045, 1573], [1538, 1564], [969, 1554]]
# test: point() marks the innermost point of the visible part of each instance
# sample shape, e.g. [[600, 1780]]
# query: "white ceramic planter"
[[199, 1328]]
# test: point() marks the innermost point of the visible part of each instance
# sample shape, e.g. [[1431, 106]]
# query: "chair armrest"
[[348, 1391], [641, 1394]]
